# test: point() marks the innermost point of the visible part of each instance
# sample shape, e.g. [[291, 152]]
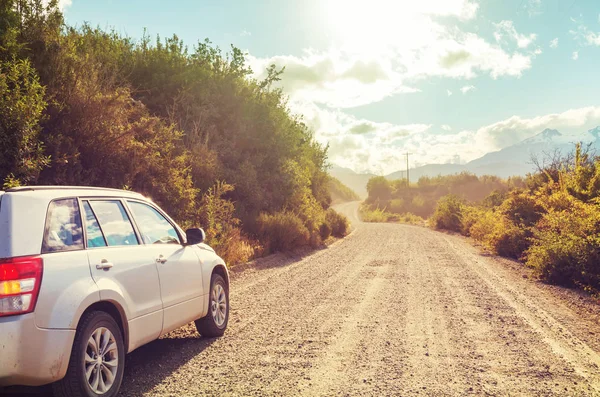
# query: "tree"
[[21, 107]]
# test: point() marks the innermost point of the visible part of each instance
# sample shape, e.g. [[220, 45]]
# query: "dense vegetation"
[[550, 219], [187, 127], [341, 193]]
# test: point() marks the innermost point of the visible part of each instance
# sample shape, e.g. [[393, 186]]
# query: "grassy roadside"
[[381, 215]]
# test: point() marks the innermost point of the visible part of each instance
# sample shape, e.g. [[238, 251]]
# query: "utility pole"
[[407, 172]]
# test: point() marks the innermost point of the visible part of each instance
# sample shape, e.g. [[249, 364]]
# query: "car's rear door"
[[122, 267], [179, 268]]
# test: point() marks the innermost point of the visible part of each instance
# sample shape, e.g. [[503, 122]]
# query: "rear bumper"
[[32, 356]]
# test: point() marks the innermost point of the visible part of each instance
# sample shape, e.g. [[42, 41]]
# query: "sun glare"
[[369, 25]]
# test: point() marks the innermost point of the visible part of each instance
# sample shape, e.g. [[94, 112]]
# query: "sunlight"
[[369, 26]]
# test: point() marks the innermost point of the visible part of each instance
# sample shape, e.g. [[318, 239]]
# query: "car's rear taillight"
[[20, 280]]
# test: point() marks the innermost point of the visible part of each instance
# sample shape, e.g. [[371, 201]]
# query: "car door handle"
[[161, 259], [104, 265]]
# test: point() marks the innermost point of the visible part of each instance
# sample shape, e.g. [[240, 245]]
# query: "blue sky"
[[375, 78]]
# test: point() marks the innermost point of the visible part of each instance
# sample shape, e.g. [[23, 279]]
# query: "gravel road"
[[389, 310]]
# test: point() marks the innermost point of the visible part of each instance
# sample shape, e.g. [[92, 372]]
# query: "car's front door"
[[122, 267], [179, 268]]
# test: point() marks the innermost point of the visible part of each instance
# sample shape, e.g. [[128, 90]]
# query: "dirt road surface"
[[389, 310]]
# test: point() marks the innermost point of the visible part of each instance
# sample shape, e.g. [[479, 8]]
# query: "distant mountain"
[[511, 161], [356, 182], [518, 159]]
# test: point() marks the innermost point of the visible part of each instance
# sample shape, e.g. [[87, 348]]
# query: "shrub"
[[509, 240], [397, 206], [234, 247], [448, 213], [373, 215], [379, 189], [470, 216], [522, 209], [410, 218], [566, 245], [339, 223], [282, 231], [325, 231], [499, 234], [494, 199]]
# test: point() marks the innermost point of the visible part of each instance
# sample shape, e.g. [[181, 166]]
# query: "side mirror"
[[195, 236]]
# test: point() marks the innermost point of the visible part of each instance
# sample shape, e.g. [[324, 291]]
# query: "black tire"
[[207, 326], [75, 384]]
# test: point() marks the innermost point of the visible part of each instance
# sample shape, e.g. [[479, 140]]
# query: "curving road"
[[389, 310]]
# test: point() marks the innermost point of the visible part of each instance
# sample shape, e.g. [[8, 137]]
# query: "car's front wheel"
[[215, 321], [97, 359]]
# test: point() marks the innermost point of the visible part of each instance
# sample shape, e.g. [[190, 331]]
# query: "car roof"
[[52, 192]]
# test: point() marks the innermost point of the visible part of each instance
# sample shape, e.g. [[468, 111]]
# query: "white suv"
[[90, 274]]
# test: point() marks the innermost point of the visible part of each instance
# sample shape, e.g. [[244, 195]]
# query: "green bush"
[[494, 199], [522, 209], [409, 218], [397, 206], [498, 233], [566, 245], [339, 223], [282, 231], [470, 216], [509, 240], [448, 213], [373, 215], [325, 231]]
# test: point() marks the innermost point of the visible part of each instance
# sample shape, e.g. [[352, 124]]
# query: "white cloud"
[[341, 79], [575, 55], [505, 30], [533, 7], [62, 4], [364, 145], [334, 78], [584, 35], [397, 46], [515, 129], [449, 92], [593, 38], [554, 43], [467, 89], [245, 33]]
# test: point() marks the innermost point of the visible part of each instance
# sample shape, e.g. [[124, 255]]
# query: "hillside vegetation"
[[550, 219], [186, 126], [341, 193]]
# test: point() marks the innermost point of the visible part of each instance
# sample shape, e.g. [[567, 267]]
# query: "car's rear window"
[[63, 227]]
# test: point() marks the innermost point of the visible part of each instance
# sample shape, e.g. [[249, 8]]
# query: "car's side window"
[[154, 228], [63, 227], [114, 222], [95, 238]]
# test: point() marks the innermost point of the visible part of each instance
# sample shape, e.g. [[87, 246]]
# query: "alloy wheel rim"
[[218, 304], [101, 360]]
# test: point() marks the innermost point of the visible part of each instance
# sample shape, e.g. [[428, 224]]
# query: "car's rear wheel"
[[97, 359], [215, 321]]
